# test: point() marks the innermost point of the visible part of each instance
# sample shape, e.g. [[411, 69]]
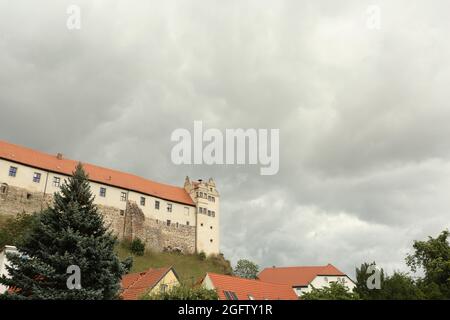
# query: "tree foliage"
[[363, 274], [433, 258], [246, 269], [71, 232], [137, 247], [183, 292], [335, 291]]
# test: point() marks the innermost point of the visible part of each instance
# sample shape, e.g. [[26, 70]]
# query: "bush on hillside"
[[137, 247], [13, 229]]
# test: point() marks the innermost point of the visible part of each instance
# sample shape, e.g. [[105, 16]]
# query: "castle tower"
[[206, 198]]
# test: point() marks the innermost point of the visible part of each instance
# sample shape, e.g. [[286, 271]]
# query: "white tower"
[[206, 199]]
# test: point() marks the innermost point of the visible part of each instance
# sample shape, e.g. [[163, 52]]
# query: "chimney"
[[59, 156]]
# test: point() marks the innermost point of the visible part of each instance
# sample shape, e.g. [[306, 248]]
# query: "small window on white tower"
[[169, 207]]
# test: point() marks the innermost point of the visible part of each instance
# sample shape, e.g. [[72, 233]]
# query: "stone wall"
[[126, 224], [18, 200]]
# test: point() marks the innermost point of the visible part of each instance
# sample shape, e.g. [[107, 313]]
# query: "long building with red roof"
[[166, 217], [236, 288]]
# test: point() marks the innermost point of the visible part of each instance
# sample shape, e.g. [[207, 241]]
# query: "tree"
[[336, 291], [70, 233], [14, 228], [246, 269], [366, 273], [400, 286], [433, 257], [183, 292]]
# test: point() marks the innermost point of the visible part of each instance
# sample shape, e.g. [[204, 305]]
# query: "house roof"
[[298, 276], [44, 161], [243, 288], [136, 284]]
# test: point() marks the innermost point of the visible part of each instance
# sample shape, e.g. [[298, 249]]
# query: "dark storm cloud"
[[364, 151]]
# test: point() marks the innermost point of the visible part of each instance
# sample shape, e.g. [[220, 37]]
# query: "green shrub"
[[13, 229], [182, 292], [137, 247], [202, 256]]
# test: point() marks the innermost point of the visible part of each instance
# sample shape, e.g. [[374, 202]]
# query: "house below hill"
[[303, 278], [4, 263], [134, 285], [235, 288]]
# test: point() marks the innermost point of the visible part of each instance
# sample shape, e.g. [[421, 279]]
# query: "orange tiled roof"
[[298, 276], [98, 174], [136, 284], [243, 288]]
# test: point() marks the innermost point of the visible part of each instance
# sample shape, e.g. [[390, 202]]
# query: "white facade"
[[4, 263]]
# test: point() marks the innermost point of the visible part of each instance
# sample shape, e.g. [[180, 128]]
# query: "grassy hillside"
[[189, 268]]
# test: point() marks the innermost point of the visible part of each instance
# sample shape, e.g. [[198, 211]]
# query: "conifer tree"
[[69, 233]]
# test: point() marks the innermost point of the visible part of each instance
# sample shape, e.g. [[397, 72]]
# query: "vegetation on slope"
[[189, 267]]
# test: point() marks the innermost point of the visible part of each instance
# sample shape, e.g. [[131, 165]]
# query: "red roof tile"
[[297, 276], [136, 284], [244, 288], [98, 174]]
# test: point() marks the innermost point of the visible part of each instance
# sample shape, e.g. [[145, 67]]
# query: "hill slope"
[[189, 267]]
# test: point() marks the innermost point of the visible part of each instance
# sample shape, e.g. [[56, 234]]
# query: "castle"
[[165, 217]]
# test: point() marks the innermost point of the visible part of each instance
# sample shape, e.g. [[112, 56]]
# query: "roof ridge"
[[93, 165], [100, 174]]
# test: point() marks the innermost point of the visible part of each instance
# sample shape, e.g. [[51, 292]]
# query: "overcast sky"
[[363, 113]]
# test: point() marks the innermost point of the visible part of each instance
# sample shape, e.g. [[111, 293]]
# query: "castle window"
[[210, 227], [213, 199], [201, 194], [187, 223], [122, 212], [56, 181], [169, 207], [102, 192], [209, 198], [211, 240], [4, 188], [123, 196], [210, 189], [209, 213], [177, 224], [37, 177], [197, 194], [28, 196], [168, 222], [213, 214], [12, 171], [201, 224], [157, 205], [142, 201]]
